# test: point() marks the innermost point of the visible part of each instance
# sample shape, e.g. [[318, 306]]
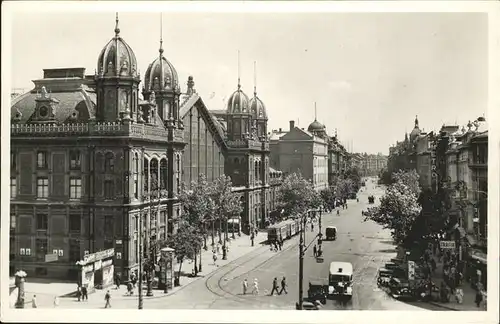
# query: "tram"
[[284, 230]]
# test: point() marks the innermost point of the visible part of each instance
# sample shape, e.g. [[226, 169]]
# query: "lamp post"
[[166, 256], [139, 242], [302, 250]]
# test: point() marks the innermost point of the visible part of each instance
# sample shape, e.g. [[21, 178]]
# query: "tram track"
[[219, 290]]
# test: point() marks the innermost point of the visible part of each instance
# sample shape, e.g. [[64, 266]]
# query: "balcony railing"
[[248, 143], [96, 129]]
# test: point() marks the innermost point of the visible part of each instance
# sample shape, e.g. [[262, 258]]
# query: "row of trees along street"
[[414, 216], [207, 207]]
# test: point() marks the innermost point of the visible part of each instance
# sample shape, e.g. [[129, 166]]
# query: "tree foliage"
[[226, 202], [197, 203], [343, 187], [296, 195], [398, 209], [328, 197], [409, 178], [186, 241]]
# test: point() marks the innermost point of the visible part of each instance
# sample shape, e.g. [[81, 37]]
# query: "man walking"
[[255, 287], [245, 286], [34, 304], [107, 298], [275, 286], [283, 286], [315, 251], [85, 295]]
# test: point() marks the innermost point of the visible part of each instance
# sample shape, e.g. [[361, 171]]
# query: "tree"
[[296, 195], [354, 175], [409, 178], [226, 202], [185, 242], [398, 210], [328, 197], [198, 208], [343, 187]]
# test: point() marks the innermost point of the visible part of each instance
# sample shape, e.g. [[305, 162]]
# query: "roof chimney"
[[280, 130], [292, 124]]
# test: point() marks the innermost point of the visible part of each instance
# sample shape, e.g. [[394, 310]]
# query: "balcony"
[[132, 130], [248, 144]]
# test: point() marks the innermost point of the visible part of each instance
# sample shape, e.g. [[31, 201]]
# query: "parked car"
[[384, 277], [331, 233], [400, 288], [318, 290]]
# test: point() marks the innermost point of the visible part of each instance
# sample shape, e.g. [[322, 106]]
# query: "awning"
[[479, 256]]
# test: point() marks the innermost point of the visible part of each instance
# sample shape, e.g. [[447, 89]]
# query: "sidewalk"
[[238, 247], [468, 303]]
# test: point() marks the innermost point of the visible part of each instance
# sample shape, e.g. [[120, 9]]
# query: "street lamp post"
[[139, 287]]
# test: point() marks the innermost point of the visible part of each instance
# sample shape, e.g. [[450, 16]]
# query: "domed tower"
[[239, 116], [117, 80], [316, 127], [258, 111], [162, 79], [415, 132]]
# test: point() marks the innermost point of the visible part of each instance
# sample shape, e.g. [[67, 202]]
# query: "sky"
[[369, 74]]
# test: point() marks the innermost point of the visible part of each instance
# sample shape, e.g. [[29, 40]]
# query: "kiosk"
[[96, 270]]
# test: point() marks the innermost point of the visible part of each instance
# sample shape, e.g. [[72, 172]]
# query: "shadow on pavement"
[[387, 242], [388, 251]]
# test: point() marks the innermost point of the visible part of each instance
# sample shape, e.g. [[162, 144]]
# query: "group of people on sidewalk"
[[452, 276], [255, 290]]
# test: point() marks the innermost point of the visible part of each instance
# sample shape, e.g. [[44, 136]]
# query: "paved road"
[[365, 244]]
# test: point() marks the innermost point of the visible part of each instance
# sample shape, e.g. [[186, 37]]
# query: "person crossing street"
[[275, 286], [245, 287], [283, 286]]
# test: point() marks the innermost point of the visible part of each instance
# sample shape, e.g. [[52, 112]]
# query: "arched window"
[[256, 170], [109, 162], [136, 176], [146, 175], [153, 169], [163, 174]]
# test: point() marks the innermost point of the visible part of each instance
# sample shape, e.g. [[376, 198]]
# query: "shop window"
[[13, 187], [75, 188], [75, 224], [42, 222], [42, 187], [41, 248], [74, 250], [74, 160], [41, 160]]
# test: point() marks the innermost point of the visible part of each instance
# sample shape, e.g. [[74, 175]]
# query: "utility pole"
[[301, 263]]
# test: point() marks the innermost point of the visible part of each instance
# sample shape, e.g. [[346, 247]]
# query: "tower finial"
[[315, 112], [239, 84], [416, 121], [335, 132], [117, 30], [161, 34], [255, 78]]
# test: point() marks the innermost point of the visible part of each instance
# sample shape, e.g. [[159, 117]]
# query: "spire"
[[239, 84], [255, 78], [117, 30], [161, 35], [315, 112], [335, 132], [416, 121]]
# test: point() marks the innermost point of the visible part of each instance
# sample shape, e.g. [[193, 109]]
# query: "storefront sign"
[[107, 263], [447, 244], [97, 265], [411, 270], [99, 255]]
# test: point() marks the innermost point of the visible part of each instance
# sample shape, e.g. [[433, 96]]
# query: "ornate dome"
[[117, 58], [257, 108], [315, 126], [238, 103], [161, 75], [416, 131]]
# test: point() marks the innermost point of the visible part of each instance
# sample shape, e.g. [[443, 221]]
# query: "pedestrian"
[[78, 293], [433, 265], [256, 232], [252, 238], [218, 248], [34, 304], [214, 257], [245, 287], [224, 251], [315, 251], [459, 295], [479, 298], [275, 286], [107, 298], [275, 246], [280, 244], [117, 280], [255, 287], [85, 295], [283, 286], [56, 301], [130, 288], [312, 226]]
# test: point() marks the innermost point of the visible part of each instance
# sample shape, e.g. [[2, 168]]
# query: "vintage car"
[[318, 290], [400, 288], [384, 277], [371, 199], [307, 305], [331, 233]]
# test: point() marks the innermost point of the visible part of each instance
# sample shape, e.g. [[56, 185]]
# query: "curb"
[[443, 306], [188, 284]]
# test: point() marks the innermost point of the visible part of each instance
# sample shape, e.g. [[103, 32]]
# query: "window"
[[74, 160], [42, 187], [13, 161], [13, 187], [75, 224], [74, 250], [109, 163], [12, 222], [75, 188], [42, 222], [109, 190], [41, 160], [136, 176], [41, 248], [108, 226]]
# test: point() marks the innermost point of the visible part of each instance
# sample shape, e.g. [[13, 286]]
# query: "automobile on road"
[[400, 288], [384, 277], [318, 290], [340, 279], [331, 233]]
